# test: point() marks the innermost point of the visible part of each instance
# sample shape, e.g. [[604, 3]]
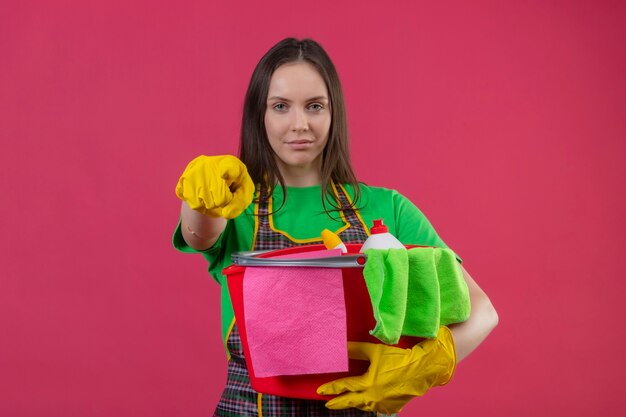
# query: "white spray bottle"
[[380, 238]]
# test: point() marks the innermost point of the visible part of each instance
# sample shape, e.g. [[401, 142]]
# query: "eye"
[[315, 106], [280, 107]]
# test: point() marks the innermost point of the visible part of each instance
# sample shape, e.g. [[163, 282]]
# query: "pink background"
[[503, 121]]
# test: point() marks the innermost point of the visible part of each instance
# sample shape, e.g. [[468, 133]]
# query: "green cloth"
[[414, 291], [386, 275], [303, 217]]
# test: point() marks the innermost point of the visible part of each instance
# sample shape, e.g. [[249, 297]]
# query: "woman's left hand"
[[395, 375]]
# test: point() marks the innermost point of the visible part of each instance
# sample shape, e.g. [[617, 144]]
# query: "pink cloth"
[[295, 318]]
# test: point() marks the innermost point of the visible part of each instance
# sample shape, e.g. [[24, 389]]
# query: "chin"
[[299, 162]]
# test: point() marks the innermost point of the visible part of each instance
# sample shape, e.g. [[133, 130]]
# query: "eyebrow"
[[316, 98]]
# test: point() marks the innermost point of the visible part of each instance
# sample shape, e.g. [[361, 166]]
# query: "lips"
[[300, 144]]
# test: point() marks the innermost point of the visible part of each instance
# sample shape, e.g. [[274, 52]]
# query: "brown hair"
[[254, 148]]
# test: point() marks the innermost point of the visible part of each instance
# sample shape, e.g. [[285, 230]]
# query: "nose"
[[299, 122]]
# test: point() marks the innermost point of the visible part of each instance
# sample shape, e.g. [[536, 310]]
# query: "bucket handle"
[[249, 258]]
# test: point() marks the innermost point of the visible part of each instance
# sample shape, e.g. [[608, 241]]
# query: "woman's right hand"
[[216, 186]]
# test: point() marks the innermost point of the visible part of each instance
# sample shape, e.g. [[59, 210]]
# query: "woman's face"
[[297, 118]]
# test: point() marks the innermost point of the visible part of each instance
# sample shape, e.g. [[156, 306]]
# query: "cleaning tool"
[[413, 292], [386, 276], [395, 375], [295, 318], [332, 241], [455, 306], [380, 238], [216, 186]]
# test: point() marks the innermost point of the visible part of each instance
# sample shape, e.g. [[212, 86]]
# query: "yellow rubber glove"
[[395, 375], [217, 186]]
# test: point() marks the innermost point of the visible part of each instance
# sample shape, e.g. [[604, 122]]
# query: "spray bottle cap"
[[378, 227]]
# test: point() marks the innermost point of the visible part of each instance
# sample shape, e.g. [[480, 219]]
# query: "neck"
[[296, 176], [301, 181]]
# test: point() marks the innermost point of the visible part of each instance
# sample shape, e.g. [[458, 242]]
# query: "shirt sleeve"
[[212, 254], [413, 227], [180, 244]]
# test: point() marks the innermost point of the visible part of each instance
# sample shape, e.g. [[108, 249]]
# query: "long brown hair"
[[254, 148]]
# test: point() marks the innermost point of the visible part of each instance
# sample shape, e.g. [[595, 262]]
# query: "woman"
[[293, 180]]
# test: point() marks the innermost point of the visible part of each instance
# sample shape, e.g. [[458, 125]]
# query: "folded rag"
[[453, 291], [414, 292], [295, 318], [386, 275]]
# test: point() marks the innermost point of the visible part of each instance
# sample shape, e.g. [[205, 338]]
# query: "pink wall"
[[503, 121]]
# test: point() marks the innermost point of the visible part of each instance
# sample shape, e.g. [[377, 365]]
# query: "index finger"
[[231, 169]]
